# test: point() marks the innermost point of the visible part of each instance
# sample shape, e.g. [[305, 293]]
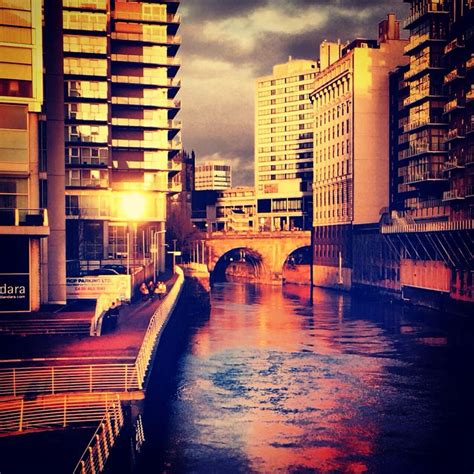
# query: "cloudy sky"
[[229, 43]]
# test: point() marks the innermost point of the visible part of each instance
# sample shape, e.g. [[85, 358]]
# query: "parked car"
[[101, 271], [121, 269]]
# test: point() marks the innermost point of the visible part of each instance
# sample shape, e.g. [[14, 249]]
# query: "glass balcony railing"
[[451, 105], [453, 163], [428, 7], [414, 178], [452, 45], [147, 37], [453, 75], [453, 195], [23, 217], [146, 58]]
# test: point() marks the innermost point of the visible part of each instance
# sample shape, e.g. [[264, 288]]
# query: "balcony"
[[454, 195], [470, 96], [453, 45], [422, 149], [143, 144], [452, 164], [433, 8], [470, 63], [452, 105], [147, 59], [172, 40], [128, 14], [469, 191], [452, 76], [425, 177], [416, 42], [455, 134], [426, 95], [421, 123], [147, 81], [16, 221]]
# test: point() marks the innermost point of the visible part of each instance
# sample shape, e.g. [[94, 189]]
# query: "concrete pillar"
[[54, 107]]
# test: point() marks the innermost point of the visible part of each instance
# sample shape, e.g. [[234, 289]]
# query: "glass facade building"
[[120, 130]]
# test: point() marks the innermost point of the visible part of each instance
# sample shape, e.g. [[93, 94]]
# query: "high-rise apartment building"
[[119, 80], [351, 148], [23, 220], [284, 146], [212, 175], [431, 219]]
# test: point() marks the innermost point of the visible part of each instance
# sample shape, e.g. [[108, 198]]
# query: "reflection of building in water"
[[351, 147]]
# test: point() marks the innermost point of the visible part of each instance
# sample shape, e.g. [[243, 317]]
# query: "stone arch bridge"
[[267, 251]]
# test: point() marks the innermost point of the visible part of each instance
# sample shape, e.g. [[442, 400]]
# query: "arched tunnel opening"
[[297, 266], [239, 264]]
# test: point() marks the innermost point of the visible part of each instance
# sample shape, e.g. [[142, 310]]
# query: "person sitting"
[[160, 290], [144, 291], [151, 287]]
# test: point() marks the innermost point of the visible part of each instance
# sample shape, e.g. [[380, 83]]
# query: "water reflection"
[[270, 384]]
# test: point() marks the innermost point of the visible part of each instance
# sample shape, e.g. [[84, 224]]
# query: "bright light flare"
[[132, 206]]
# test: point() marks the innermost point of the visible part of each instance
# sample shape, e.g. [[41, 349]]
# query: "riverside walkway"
[[56, 381]]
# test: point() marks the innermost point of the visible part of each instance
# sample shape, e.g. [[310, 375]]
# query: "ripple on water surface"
[[269, 384]]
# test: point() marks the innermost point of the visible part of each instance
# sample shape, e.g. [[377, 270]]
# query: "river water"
[[267, 384]]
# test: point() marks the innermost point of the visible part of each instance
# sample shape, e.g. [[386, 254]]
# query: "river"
[[266, 383]]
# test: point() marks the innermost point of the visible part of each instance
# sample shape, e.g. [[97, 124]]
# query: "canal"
[[264, 383]]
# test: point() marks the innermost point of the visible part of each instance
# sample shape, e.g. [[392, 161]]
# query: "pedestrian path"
[[118, 345]]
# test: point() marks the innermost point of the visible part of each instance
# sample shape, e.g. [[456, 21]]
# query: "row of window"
[[337, 111], [307, 176], [339, 129], [283, 100], [286, 80], [287, 118], [282, 110], [285, 90], [334, 151], [336, 170], [285, 128], [285, 138], [285, 157], [286, 166]]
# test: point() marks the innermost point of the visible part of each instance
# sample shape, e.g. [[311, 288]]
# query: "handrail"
[[155, 327], [51, 380], [20, 414], [97, 451]]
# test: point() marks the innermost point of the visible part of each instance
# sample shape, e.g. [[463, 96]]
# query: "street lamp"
[[155, 252]]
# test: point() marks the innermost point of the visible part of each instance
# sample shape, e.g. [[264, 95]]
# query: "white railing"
[[153, 333], [20, 414], [95, 455], [53, 380]]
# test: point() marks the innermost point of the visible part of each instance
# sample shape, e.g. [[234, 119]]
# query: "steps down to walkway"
[[31, 327]]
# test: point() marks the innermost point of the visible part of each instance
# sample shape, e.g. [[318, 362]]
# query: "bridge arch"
[[272, 249], [239, 261], [295, 267]]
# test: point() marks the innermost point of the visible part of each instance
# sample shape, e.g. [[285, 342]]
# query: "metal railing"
[[52, 380], [20, 414], [95, 455], [154, 330]]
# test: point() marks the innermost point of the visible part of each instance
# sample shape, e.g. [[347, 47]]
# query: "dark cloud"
[[222, 124], [210, 10]]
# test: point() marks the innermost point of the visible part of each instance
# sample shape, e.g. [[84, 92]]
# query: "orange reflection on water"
[[302, 396]]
